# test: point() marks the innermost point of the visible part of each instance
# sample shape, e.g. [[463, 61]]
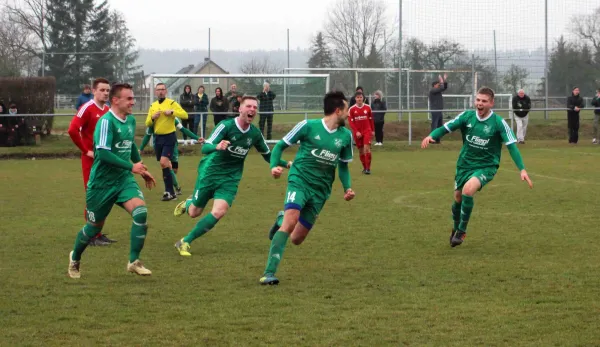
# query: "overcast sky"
[[254, 25]]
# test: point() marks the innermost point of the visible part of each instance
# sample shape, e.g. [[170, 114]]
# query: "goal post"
[[295, 94]]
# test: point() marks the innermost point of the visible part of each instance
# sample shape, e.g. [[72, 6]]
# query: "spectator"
[[16, 126], [85, 96], [235, 105], [186, 100], [596, 104], [359, 89], [201, 107], [231, 97], [219, 106], [266, 109], [378, 108], [574, 104], [436, 102], [3, 108], [522, 103]]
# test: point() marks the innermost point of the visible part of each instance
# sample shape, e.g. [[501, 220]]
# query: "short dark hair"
[[359, 88], [359, 94], [116, 88], [202, 87], [12, 106], [97, 81], [86, 86], [486, 91], [434, 83], [333, 101], [247, 97], [160, 84]]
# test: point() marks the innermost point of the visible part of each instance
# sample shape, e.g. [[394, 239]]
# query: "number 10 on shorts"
[[291, 196]]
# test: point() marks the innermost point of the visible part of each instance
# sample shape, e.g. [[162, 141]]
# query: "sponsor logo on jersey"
[[324, 154], [123, 146], [365, 111], [238, 150], [476, 140]]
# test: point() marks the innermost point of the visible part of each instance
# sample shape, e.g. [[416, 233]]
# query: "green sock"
[[175, 182], [456, 214], [279, 221], [465, 212], [276, 251], [83, 237], [202, 227], [139, 228], [188, 202]]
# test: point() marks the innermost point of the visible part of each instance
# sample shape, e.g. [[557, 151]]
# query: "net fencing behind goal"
[[297, 97]]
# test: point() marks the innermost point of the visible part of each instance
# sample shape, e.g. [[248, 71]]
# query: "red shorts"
[[86, 167], [365, 139]]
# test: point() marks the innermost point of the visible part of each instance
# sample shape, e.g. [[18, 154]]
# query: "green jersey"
[[229, 164], [116, 135], [321, 149], [482, 139]]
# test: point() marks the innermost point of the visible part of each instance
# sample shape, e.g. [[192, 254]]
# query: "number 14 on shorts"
[[291, 196]]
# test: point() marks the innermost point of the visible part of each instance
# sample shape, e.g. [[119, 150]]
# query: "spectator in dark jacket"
[[186, 100], [85, 96], [201, 107], [378, 107], [265, 109], [436, 102], [235, 106], [521, 103], [574, 104], [596, 104], [219, 106], [231, 97], [353, 99]]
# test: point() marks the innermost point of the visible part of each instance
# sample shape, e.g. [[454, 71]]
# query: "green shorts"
[[175, 155], [484, 175], [207, 189], [99, 201], [300, 197]]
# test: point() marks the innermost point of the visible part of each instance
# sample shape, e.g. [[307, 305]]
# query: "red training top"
[[361, 118], [83, 125]]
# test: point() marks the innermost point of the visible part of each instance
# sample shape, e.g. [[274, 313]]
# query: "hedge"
[[32, 95]]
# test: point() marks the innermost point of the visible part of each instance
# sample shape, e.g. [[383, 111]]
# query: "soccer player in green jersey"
[[325, 144], [112, 182], [220, 171], [175, 155], [483, 133]]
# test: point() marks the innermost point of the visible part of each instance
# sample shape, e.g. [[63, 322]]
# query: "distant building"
[[175, 85]]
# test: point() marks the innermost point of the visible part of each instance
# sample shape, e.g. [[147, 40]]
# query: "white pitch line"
[[570, 180], [563, 152]]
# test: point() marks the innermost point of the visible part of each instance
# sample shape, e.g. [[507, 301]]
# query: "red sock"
[[363, 160], [368, 159]]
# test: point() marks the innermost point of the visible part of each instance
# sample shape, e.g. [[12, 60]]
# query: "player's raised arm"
[[146, 139], [261, 146], [449, 126], [346, 157], [186, 131], [103, 138], [213, 142]]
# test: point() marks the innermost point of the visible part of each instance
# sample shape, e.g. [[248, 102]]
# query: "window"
[[211, 80]]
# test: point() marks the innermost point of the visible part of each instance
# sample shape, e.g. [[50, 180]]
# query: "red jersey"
[[361, 118], [83, 125]]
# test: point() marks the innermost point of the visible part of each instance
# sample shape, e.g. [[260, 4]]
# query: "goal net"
[[297, 97]]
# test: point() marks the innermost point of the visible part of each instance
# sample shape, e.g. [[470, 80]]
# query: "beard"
[[342, 122]]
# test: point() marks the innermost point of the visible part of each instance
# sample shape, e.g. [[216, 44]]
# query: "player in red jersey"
[[363, 128], [81, 131]]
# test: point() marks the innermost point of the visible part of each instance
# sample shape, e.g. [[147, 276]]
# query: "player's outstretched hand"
[[525, 177], [358, 135], [148, 179], [426, 141], [200, 141], [138, 168], [222, 145], [289, 164], [276, 172], [349, 195], [90, 154]]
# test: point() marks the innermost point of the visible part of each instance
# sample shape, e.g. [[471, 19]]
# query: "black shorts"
[[164, 145]]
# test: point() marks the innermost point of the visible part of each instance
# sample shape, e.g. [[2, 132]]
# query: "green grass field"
[[374, 271]]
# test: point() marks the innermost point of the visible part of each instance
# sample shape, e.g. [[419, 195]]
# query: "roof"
[[175, 83]]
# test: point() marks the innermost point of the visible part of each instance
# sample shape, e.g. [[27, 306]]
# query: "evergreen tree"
[[321, 55], [100, 39], [60, 41], [124, 43]]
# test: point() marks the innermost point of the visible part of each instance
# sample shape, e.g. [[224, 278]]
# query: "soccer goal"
[[297, 96]]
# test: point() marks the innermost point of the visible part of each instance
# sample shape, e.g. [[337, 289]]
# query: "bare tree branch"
[[587, 27]]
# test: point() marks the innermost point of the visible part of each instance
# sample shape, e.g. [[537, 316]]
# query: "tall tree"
[[562, 74], [321, 55], [17, 55], [125, 44], [353, 27], [514, 78], [587, 27], [100, 38], [61, 42]]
